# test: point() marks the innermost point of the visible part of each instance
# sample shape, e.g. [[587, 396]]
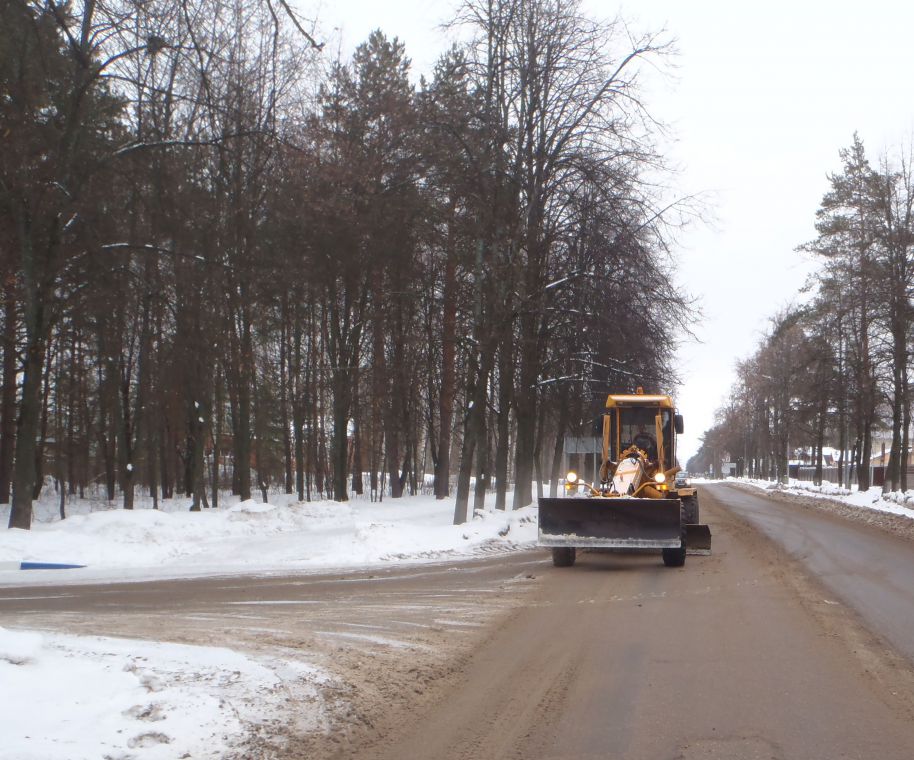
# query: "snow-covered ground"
[[896, 503], [70, 697], [94, 698], [250, 537]]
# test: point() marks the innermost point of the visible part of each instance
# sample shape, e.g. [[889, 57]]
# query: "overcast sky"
[[762, 98]]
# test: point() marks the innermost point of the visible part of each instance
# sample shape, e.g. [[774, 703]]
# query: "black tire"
[[688, 514], [690, 510], [563, 556], [674, 557]]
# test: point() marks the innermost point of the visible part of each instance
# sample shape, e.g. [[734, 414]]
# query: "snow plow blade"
[[614, 523], [698, 539]]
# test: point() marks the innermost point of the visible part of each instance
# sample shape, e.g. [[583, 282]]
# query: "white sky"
[[762, 99]]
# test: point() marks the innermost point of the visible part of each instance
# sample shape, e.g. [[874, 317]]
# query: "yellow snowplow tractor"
[[636, 504]]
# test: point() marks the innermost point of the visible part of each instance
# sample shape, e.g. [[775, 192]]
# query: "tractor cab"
[[646, 422]]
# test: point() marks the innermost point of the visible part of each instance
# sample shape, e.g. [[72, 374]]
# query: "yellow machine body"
[[636, 503]]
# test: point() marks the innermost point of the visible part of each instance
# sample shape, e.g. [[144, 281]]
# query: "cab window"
[[637, 426]]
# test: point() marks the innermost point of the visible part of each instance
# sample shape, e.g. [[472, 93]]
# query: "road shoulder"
[[895, 524]]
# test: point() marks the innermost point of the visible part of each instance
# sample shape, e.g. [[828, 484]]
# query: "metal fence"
[[830, 474]]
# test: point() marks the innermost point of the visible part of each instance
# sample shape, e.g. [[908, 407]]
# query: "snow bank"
[[71, 697], [873, 498], [250, 537]]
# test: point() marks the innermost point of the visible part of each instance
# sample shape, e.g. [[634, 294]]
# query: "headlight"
[[660, 477], [571, 477]]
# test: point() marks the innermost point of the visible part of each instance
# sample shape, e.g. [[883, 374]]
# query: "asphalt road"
[[739, 655], [759, 651], [867, 568]]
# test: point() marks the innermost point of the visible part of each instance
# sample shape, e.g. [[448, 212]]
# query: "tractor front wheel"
[[688, 511], [563, 556], [674, 557]]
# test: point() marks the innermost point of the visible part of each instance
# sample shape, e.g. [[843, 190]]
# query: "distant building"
[[882, 448]]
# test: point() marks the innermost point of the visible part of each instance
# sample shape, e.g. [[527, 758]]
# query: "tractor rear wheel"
[[563, 556], [690, 510]]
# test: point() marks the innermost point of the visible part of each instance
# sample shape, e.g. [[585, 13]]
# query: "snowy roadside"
[[870, 507], [73, 697], [251, 538], [896, 503], [69, 697]]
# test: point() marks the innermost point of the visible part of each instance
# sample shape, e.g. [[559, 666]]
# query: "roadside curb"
[[38, 566]]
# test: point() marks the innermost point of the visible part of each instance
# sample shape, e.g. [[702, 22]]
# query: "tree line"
[[834, 370], [231, 260]]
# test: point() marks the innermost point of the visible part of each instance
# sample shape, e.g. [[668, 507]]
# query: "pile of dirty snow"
[[873, 498], [81, 697]]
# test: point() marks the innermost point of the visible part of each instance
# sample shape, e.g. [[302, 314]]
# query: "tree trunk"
[[243, 444], [43, 427], [906, 427], [899, 358], [259, 435], [8, 391], [558, 448], [448, 368], [842, 402], [298, 416], [866, 455], [284, 395], [482, 460], [538, 451], [820, 441], [477, 383], [356, 451], [525, 416], [29, 422], [197, 455], [503, 421], [106, 437], [219, 415], [525, 408], [340, 445], [152, 450], [125, 449], [464, 472]]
